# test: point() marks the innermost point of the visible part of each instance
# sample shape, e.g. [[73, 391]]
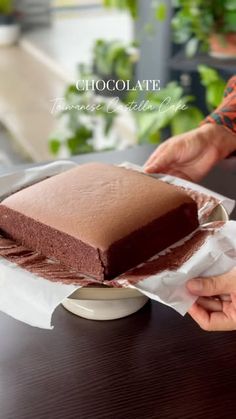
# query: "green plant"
[[160, 8], [151, 124], [114, 58], [78, 123], [82, 111], [214, 86], [170, 109], [195, 20], [6, 7], [130, 5]]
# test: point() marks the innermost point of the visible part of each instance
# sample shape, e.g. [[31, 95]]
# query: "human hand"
[[215, 310], [193, 154]]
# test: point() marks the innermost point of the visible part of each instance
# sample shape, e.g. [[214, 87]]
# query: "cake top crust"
[[97, 203]]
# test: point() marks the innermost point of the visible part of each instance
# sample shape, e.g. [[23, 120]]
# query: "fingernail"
[[194, 285], [148, 168]]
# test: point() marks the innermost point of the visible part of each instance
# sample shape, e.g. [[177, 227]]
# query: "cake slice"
[[99, 219]]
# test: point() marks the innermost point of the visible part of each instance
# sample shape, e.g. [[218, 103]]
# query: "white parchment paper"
[[215, 257], [33, 299]]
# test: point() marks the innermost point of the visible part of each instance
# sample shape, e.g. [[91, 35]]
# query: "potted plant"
[[81, 125], [112, 60], [9, 27], [166, 118], [130, 5], [206, 24]]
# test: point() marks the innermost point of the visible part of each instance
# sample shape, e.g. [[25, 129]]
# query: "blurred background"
[[47, 45]]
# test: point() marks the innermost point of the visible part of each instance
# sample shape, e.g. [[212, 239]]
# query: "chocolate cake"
[[99, 219]]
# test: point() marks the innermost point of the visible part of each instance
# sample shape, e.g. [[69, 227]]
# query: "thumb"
[[161, 160], [214, 285]]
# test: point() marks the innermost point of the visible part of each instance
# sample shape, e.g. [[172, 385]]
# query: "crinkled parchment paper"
[[32, 286]]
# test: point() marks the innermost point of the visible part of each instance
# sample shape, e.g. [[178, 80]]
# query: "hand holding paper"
[[31, 287], [211, 311]]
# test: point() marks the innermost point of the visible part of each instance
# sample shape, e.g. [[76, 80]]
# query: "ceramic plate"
[[104, 303]]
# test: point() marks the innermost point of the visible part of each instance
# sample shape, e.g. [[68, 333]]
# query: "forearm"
[[225, 114], [221, 124]]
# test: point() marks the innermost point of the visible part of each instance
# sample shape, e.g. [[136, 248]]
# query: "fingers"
[[200, 315], [162, 159], [233, 299], [215, 285], [216, 321], [230, 309], [215, 314], [155, 155], [210, 304], [225, 297]]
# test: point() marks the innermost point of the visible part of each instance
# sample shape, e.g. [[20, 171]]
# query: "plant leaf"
[[214, 94], [161, 12], [186, 120], [191, 47], [54, 146], [208, 75]]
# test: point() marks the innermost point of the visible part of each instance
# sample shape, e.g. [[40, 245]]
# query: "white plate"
[[104, 303]]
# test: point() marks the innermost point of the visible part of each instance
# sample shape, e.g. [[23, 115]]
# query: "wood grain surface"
[[154, 364]]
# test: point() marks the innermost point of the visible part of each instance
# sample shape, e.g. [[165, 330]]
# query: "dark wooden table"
[[154, 364]]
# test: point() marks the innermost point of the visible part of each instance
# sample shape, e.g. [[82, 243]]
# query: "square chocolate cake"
[[99, 219]]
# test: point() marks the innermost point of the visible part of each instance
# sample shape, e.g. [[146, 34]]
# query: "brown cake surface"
[[99, 219]]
